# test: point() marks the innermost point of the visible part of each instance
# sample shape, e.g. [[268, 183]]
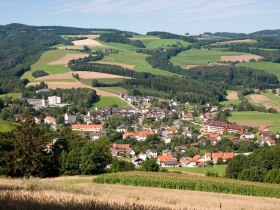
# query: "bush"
[[150, 165], [39, 73], [121, 165]]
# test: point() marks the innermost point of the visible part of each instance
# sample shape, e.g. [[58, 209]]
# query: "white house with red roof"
[[85, 127]]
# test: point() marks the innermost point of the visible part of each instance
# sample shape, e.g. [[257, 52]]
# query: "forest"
[[120, 38]]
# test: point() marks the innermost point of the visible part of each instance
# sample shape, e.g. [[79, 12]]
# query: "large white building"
[[53, 100]]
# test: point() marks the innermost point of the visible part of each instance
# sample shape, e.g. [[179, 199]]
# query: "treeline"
[[120, 38], [39, 73], [232, 77], [20, 47], [78, 97], [228, 35], [107, 68], [261, 166], [90, 58], [167, 35], [181, 89], [160, 58]]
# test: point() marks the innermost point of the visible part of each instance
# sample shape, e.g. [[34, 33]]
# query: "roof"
[[207, 154], [188, 115], [200, 164], [163, 158], [170, 162], [85, 126], [125, 147], [214, 135], [172, 129], [144, 133], [196, 157], [128, 134]]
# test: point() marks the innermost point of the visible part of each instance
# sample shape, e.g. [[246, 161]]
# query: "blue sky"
[[177, 16]]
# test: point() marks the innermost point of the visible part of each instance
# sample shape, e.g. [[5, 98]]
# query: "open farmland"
[[269, 100], [232, 98], [269, 67], [78, 192], [255, 119], [87, 42], [156, 43], [115, 90], [102, 80], [65, 59], [89, 36], [127, 66], [220, 169], [240, 58], [201, 57], [237, 41]]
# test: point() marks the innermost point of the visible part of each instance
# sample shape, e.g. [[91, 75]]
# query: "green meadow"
[[220, 169], [164, 43], [107, 101], [269, 67], [115, 90], [11, 95]]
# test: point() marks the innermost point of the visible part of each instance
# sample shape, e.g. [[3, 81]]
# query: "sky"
[[176, 16]]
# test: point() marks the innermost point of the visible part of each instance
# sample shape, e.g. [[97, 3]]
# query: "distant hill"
[[274, 33]]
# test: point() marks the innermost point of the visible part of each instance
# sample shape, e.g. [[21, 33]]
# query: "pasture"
[[164, 43], [269, 67], [255, 119], [79, 192], [107, 101], [115, 90], [200, 57], [267, 99]]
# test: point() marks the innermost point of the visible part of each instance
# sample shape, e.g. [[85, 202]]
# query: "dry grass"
[[65, 59], [232, 95], [80, 192], [240, 58], [127, 66], [236, 41], [88, 42]]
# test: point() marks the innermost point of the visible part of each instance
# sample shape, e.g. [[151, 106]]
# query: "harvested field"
[[237, 41], [88, 42], [232, 95], [127, 66], [240, 58], [82, 75], [265, 101], [65, 59], [77, 190]]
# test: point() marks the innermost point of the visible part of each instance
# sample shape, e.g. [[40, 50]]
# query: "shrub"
[[39, 73]]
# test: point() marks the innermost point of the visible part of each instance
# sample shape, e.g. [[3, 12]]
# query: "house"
[[85, 127], [122, 128], [151, 153], [96, 135], [187, 133], [166, 152], [188, 117], [54, 100], [124, 149], [140, 136], [50, 120], [69, 118], [187, 162], [163, 158], [269, 142], [172, 130], [137, 161], [214, 109], [170, 163], [142, 156], [224, 156], [212, 126], [249, 136], [207, 157]]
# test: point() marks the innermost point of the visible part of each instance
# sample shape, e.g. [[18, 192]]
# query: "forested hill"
[[20, 47], [268, 33]]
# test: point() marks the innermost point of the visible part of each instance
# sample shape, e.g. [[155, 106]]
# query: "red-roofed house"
[[50, 120], [187, 117], [140, 136], [269, 142], [163, 158], [118, 149], [172, 130], [85, 127], [224, 156], [128, 134]]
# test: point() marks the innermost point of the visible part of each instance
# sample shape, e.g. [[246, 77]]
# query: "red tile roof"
[[163, 158], [85, 126]]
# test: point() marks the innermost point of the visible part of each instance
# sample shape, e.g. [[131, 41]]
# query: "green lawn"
[[11, 95], [116, 90], [256, 119], [102, 80], [269, 67], [6, 126], [229, 102], [47, 57], [200, 57], [107, 101], [156, 43], [220, 169]]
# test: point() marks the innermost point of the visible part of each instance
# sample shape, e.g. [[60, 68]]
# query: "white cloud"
[[171, 10]]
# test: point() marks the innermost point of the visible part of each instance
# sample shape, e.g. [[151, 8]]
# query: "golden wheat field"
[[79, 192]]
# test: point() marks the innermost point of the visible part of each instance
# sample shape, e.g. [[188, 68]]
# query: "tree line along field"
[[201, 57], [79, 192], [269, 67]]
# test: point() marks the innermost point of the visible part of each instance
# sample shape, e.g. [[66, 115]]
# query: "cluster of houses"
[[51, 101]]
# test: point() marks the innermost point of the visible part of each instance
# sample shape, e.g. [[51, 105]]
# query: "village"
[[176, 135]]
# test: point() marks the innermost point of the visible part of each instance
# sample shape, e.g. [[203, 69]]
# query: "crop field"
[[269, 67], [11, 95], [200, 57], [127, 66], [238, 41], [79, 192], [87, 42], [107, 101], [135, 59], [6, 126], [240, 58], [255, 119], [115, 90], [220, 169], [65, 59], [156, 43], [188, 182], [269, 100]]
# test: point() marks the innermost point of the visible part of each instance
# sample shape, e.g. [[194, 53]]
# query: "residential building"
[[85, 127]]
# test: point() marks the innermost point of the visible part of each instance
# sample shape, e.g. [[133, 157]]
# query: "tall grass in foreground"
[[14, 197], [187, 182]]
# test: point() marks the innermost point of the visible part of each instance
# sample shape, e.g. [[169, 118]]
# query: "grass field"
[[220, 169], [102, 80], [47, 57], [256, 119], [6, 126], [115, 90], [230, 102], [135, 59], [107, 101], [156, 43], [272, 97], [11, 95], [200, 57], [267, 99], [80, 193], [269, 67]]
